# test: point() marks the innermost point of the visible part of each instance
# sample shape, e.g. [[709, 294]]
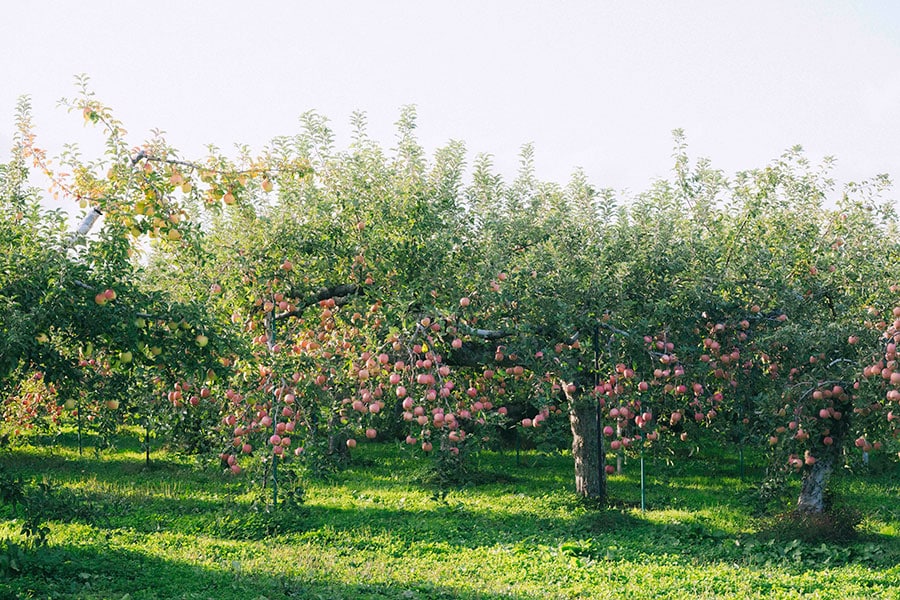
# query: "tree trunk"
[[337, 443], [587, 450], [815, 477], [812, 486]]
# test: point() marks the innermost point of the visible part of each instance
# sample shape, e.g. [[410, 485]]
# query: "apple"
[[112, 404], [202, 340], [125, 357], [351, 443]]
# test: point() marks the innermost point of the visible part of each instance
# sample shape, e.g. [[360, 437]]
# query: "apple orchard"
[[278, 310]]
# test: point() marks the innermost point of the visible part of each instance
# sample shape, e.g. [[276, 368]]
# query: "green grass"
[[180, 529]]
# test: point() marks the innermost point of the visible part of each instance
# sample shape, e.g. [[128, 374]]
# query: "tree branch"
[[326, 293], [487, 334]]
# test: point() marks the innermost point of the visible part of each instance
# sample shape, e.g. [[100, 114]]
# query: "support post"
[[272, 331], [643, 481]]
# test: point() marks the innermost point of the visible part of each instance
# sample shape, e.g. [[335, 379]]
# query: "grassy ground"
[[117, 529]]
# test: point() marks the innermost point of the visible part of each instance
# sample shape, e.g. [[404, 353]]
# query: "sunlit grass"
[[181, 529]]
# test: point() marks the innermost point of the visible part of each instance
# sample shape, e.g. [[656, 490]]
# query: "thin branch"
[[615, 329]]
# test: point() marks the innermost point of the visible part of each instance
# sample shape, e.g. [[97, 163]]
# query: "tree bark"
[[815, 477], [587, 450], [812, 486]]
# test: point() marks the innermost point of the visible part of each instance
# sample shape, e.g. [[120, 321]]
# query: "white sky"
[[593, 84]]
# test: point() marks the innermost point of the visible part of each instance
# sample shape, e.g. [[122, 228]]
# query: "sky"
[[592, 84]]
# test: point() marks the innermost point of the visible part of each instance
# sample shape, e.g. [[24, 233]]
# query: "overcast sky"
[[593, 84]]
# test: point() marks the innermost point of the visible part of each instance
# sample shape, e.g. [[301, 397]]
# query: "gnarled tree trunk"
[[812, 486], [816, 476], [587, 449]]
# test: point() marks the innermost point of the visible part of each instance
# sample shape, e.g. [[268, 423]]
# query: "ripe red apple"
[[351, 443]]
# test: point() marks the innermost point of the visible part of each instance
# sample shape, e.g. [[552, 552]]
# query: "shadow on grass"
[[200, 504], [80, 572]]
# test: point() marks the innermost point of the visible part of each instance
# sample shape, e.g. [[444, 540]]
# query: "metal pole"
[[601, 462], [275, 414], [643, 482], [518, 459], [80, 445], [741, 444]]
